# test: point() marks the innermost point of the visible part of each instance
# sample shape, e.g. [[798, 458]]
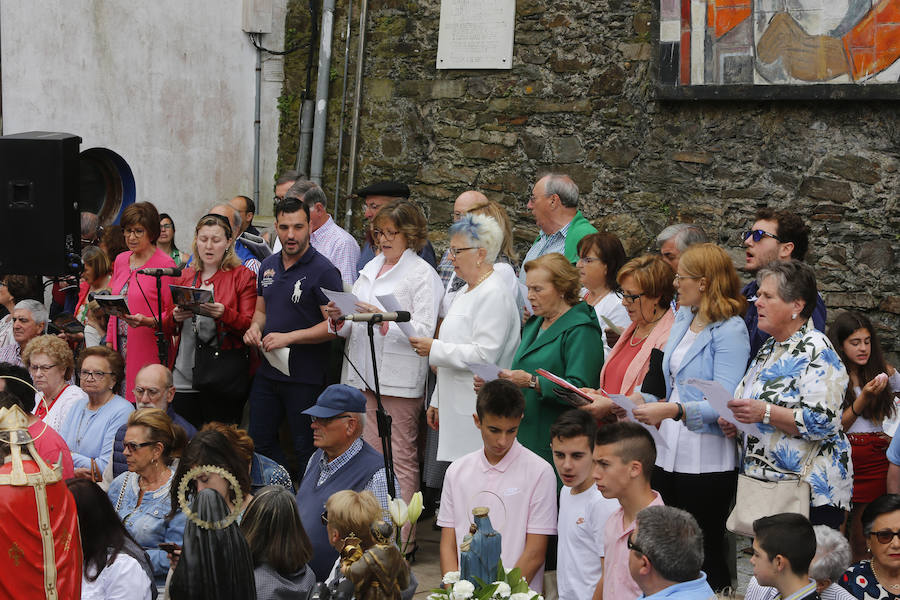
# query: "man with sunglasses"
[[153, 388], [342, 461], [666, 553], [374, 197], [775, 236]]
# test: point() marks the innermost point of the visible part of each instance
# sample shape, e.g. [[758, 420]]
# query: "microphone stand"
[[161, 345], [382, 417]]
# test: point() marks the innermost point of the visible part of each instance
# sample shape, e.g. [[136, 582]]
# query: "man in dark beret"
[[374, 197]]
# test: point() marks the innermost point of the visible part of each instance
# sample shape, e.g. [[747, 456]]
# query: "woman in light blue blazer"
[[697, 471]]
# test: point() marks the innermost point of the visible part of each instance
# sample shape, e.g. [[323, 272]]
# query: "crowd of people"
[[239, 406]]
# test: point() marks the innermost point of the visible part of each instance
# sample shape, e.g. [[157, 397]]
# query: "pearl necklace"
[[480, 279], [893, 586]]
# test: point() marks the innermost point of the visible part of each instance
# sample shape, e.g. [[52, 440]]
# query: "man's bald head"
[[466, 202], [227, 211], [154, 387]]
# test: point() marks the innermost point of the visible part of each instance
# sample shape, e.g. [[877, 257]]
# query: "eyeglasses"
[[327, 420], [680, 277], [387, 235], [40, 368], [759, 234], [589, 260], [632, 546], [324, 517], [134, 232], [152, 392], [457, 215], [630, 298], [166, 226], [885, 536], [94, 374], [454, 252], [133, 446]]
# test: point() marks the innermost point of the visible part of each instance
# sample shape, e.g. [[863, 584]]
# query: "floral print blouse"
[[804, 374], [862, 584]]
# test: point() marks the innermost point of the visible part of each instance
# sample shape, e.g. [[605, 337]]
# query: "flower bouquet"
[[401, 514], [510, 585]]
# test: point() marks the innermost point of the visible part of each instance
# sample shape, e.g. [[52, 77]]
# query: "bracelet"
[[768, 414], [680, 414], [853, 410]]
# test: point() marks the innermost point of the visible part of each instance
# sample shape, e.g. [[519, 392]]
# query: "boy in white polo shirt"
[[583, 510], [517, 485]]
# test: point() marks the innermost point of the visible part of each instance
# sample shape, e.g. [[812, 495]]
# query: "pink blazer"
[[141, 343], [635, 372]]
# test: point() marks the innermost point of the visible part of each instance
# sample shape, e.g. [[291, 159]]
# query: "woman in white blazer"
[[481, 326], [697, 470], [400, 230]]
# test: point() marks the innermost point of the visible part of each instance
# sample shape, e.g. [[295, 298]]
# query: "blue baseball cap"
[[337, 399]]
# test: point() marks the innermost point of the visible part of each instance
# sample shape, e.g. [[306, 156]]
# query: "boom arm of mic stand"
[[383, 419], [161, 348]]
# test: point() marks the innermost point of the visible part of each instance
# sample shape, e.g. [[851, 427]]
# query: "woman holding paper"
[[794, 390], [562, 337], [697, 468], [396, 279], [221, 323], [490, 339], [132, 335]]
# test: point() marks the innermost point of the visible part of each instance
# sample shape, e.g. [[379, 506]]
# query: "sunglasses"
[[885, 536], [133, 446], [758, 234], [632, 546]]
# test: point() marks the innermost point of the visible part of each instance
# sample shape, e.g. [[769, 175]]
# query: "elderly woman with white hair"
[[481, 326]]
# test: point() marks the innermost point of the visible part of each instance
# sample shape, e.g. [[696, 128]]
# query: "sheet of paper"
[[523, 289], [629, 406], [280, 358], [718, 398], [486, 371], [564, 384], [390, 304], [610, 325], [344, 301]]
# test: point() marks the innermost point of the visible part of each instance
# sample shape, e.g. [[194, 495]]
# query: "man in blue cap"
[[374, 197], [342, 461]]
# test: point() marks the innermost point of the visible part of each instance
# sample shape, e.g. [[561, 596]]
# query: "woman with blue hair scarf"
[[794, 390], [481, 326]]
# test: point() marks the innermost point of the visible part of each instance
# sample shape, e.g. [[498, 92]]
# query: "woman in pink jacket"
[[140, 223]]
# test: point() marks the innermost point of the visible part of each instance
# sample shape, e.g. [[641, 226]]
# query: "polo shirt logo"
[[268, 278], [295, 298]]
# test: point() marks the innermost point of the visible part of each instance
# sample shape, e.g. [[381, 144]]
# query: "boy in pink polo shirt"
[[517, 485], [624, 455]]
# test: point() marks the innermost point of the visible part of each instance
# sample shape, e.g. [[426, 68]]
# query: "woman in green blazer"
[[562, 337]]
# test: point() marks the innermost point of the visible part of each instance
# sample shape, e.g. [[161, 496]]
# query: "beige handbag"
[[758, 498]]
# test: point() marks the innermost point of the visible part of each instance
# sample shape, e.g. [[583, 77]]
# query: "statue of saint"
[[480, 551], [381, 573]]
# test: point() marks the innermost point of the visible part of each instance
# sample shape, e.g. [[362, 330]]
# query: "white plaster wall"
[[169, 85]]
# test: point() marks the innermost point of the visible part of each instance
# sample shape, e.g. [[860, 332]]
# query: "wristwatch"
[[533, 383], [768, 415]]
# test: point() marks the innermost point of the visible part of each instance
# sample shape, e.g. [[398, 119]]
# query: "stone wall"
[[580, 99]]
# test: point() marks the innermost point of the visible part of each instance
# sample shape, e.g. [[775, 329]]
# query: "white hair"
[[481, 231], [38, 311]]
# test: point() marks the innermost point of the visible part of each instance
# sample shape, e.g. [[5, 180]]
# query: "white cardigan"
[[482, 326], [418, 289]]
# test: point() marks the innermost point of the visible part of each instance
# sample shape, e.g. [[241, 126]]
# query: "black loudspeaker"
[[40, 226]]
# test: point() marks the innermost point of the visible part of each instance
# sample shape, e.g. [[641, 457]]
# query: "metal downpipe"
[[317, 161], [357, 99]]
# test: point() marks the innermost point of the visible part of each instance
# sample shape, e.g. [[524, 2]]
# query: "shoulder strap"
[[801, 474]]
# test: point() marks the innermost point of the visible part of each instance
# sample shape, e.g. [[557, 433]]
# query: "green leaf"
[[479, 583], [515, 576], [501, 572], [519, 587], [486, 592]]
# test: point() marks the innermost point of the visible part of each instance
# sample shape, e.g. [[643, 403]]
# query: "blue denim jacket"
[[147, 522]]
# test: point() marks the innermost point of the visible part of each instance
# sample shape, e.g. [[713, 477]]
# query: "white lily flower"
[[399, 511], [416, 505], [450, 577]]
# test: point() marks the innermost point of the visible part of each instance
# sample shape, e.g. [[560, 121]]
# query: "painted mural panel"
[[813, 43]]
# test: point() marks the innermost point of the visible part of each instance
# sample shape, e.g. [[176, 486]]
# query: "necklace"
[[893, 586], [480, 279], [632, 343]]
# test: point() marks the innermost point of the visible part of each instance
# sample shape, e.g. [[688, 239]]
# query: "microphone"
[[167, 272], [401, 316]]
